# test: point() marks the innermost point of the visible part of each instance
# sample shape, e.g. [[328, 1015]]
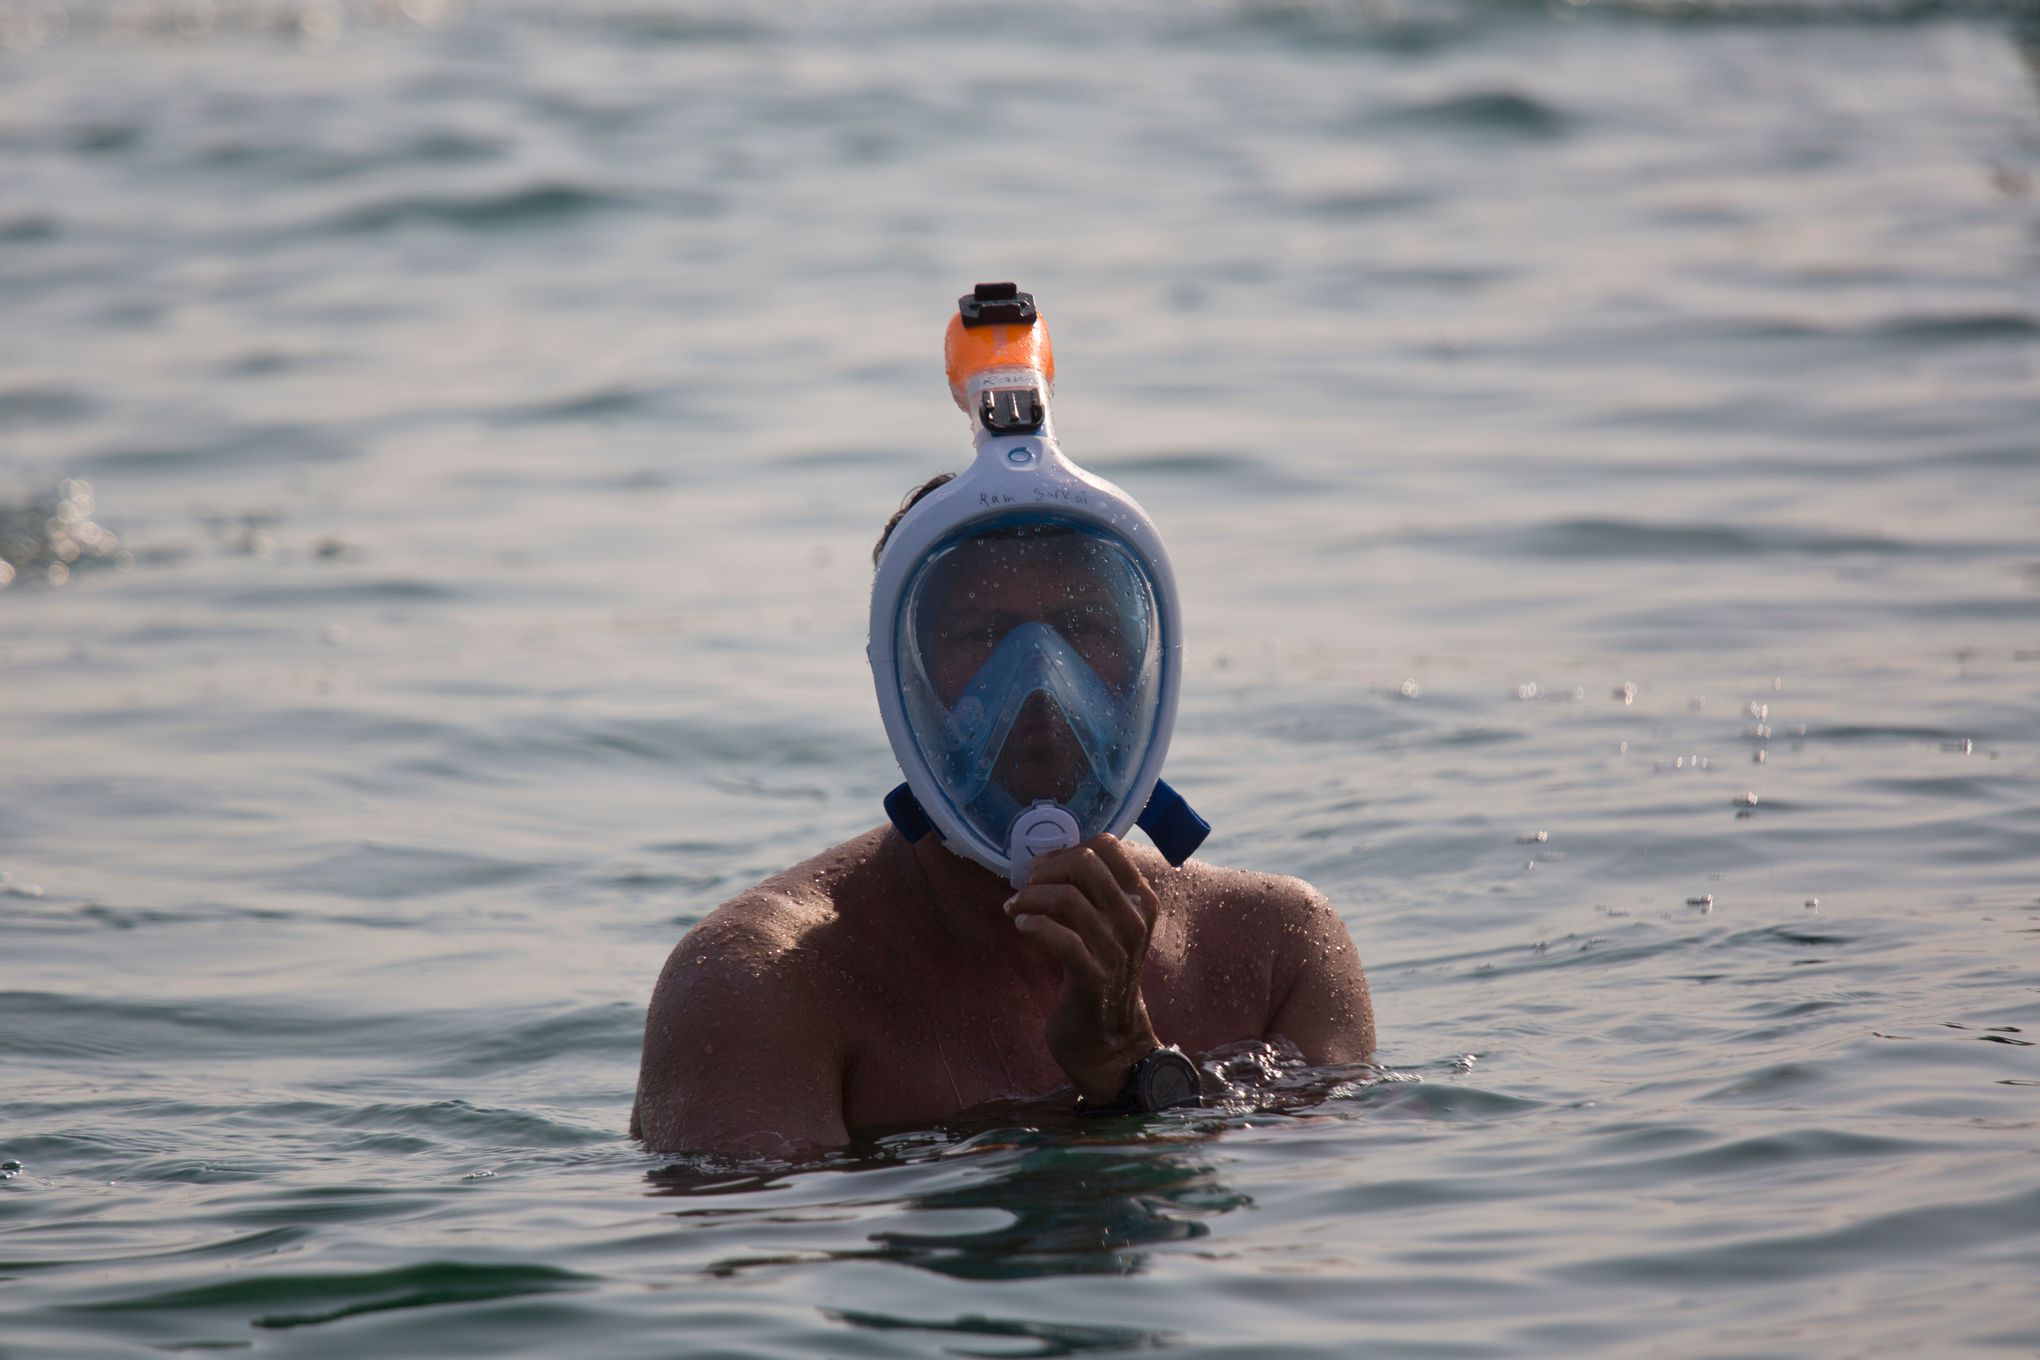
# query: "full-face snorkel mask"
[[1025, 640]]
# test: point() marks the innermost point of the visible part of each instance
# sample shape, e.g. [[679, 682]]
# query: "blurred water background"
[[439, 454]]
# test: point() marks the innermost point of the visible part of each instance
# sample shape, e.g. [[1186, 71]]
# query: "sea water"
[[440, 449]]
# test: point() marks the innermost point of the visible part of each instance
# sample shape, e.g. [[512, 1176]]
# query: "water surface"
[[1600, 444]]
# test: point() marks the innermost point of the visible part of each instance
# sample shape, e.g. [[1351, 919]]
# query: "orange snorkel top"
[[996, 327]]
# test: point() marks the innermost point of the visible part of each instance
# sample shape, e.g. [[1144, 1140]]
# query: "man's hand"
[[1094, 910]]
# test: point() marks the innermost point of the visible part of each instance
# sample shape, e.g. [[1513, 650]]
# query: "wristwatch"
[[1161, 1079]]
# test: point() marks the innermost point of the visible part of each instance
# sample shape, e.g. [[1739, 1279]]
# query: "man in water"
[[884, 983], [999, 939]]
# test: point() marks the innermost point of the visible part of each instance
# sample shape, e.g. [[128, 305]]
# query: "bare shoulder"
[[749, 944], [745, 1028], [1261, 906], [1317, 995], [758, 949]]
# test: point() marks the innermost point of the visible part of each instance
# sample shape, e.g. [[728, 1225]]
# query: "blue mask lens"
[[1033, 660]]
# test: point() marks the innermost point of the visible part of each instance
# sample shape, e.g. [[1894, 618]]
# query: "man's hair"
[[913, 499]]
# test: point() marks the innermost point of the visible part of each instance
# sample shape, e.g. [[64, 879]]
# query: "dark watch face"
[[1166, 1078]]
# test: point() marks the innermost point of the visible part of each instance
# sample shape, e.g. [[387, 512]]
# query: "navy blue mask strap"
[[1172, 824], [907, 816]]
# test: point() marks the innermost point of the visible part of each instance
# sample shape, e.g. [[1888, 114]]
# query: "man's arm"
[[741, 1056], [1322, 1006]]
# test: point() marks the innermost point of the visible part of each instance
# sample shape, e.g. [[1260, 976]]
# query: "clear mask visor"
[[1030, 659]]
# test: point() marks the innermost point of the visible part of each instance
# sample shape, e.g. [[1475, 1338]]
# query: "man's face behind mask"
[[1035, 650]]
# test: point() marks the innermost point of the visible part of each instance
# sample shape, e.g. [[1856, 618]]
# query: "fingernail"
[[1020, 922], [1008, 905]]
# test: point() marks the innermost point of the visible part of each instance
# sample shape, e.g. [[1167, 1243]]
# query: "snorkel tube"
[[1001, 372]]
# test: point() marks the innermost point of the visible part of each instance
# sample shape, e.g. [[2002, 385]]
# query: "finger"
[[1069, 906], [1059, 940], [1135, 927], [1088, 872], [1116, 857], [1120, 861]]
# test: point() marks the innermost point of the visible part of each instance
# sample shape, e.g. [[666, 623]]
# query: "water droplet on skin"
[[1746, 800], [1813, 904], [1705, 901]]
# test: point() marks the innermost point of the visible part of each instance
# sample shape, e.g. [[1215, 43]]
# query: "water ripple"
[[393, 873], [1490, 113], [279, 1300], [1594, 539], [510, 209]]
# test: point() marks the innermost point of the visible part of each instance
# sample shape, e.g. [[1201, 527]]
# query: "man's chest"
[[920, 1055], [963, 1038]]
